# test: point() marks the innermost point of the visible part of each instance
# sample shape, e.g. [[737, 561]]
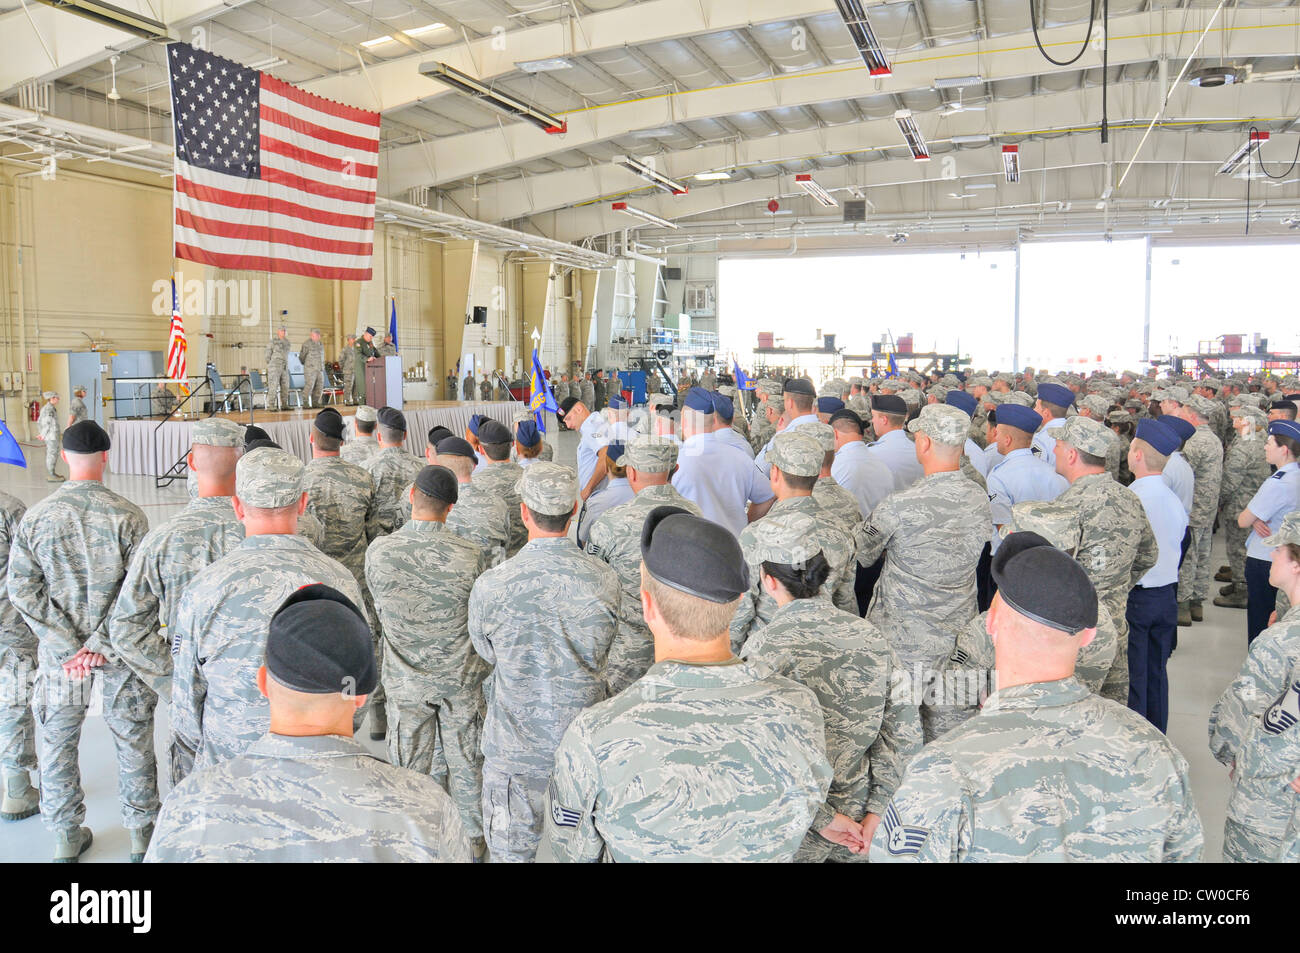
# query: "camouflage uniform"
[[392, 469], [312, 529], [499, 479], [1244, 469], [315, 799], [312, 356], [870, 736], [616, 539], [717, 762], [387, 349], [761, 432], [342, 496], [931, 535], [1047, 771], [17, 660], [77, 409], [545, 620], [839, 503], [363, 351], [348, 364], [66, 565], [485, 389], [47, 425], [359, 449], [479, 516], [1205, 454], [421, 577], [588, 391], [1253, 731], [277, 372]]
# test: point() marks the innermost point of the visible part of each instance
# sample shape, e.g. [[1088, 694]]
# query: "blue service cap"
[[1285, 428], [722, 406], [699, 399], [474, 421], [1019, 416], [828, 405], [614, 451], [1057, 394], [1179, 426], [1159, 434], [962, 401], [960, 375], [616, 402], [527, 433]]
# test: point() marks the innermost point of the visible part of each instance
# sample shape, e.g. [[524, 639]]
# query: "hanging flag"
[[742, 382], [176, 345], [269, 177], [10, 452], [893, 367], [543, 398], [392, 322]]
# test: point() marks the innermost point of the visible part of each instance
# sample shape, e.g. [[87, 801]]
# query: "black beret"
[[568, 404], [888, 404], [492, 431], [455, 447], [319, 643], [438, 433], [1044, 584], [439, 483], [260, 443], [392, 418], [329, 423], [693, 555], [848, 415], [799, 385], [252, 432], [86, 436]]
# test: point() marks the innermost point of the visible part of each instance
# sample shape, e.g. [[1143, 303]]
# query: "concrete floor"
[[1209, 655]]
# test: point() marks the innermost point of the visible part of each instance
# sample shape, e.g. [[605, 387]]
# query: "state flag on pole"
[[543, 398], [176, 345], [10, 452], [392, 322], [269, 177]]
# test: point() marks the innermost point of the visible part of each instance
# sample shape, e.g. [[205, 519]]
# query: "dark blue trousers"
[[1261, 598], [1152, 623]]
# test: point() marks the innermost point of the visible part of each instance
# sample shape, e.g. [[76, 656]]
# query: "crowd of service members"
[[905, 618]]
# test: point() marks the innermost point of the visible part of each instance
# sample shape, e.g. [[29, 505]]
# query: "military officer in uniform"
[[222, 623], [616, 539], [720, 479], [277, 369], [889, 414], [1020, 476], [143, 621], [363, 445], [1047, 771], [66, 566], [1245, 468], [1053, 404], [312, 356], [688, 763], [840, 505], [1204, 452], [47, 426], [1276, 496], [388, 348], [544, 619], [77, 409], [304, 791], [479, 515], [420, 578], [348, 364], [500, 477], [18, 664], [365, 350], [392, 470]]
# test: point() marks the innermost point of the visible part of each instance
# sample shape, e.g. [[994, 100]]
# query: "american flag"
[[269, 177], [176, 346]]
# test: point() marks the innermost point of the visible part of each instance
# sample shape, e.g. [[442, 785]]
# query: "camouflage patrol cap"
[[1119, 417], [367, 414], [1251, 400], [824, 434], [950, 381], [1096, 405], [857, 382], [726, 390], [1086, 434], [548, 488], [797, 454], [1200, 405], [943, 424], [911, 396], [521, 415], [268, 478], [770, 387], [788, 541], [1177, 394], [650, 454], [315, 331], [939, 392], [217, 432], [979, 380], [1288, 532], [1018, 397], [1060, 525], [777, 403], [659, 400], [1253, 414], [1008, 379]]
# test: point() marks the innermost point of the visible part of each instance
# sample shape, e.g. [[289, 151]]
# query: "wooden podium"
[[384, 382]]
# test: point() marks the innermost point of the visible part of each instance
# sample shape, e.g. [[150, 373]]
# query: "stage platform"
[[137, 451]]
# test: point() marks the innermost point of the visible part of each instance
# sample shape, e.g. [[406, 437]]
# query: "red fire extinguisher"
[[34, 410]]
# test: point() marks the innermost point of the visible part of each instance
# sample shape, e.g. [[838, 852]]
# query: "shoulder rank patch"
[[901, 839], [1285, 712], [959, 657], [562, 816]]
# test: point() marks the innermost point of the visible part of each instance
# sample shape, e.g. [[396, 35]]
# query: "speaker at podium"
[[384, 382]]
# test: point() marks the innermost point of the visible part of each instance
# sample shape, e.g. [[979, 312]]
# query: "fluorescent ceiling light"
[[981, 185], [961, 195], [642, 214], [710, 176], [912, 134], [1011, 163], [957, 82], [269, 63], [427, 28], [805, 182], [974, 140], [1251, 144], [464, 83], [651, 175], [544, 66], [115, 17], [377, 41], [864, 38]]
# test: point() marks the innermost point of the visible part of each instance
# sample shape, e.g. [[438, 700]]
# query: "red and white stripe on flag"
[[176, 349], [270, 177]]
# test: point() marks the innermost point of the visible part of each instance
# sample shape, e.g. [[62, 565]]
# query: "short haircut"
[[1155, 460], [423, 503], [800, 402], [687, 616], [845, 425], [1292, 551], [550, 523], [364, 426], [216, 461], [1017, 437], [802, 582], [894, 420], [391, 435], [1286, 408], [461, 466], [1090, 459], [801, 483], [528, 453], [278, 512], [324, 442], [1056, 410], [496, 451]]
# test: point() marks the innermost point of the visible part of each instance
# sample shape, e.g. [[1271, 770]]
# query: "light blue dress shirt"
[[761, 459], [897, 452], [863, 475], [1178, 477], [720, 480], [1044, 442], [1277, 496], [1019, 477], [1168, 522]]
